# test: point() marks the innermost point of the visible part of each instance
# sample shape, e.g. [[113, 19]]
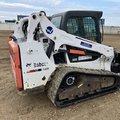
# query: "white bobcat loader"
[[68, 67]]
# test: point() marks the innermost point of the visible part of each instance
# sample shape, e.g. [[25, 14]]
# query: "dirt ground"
[[39, 107]]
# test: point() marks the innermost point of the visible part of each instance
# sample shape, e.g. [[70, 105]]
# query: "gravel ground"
[[39, 107]]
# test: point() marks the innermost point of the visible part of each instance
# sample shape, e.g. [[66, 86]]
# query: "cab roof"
[[97, 14]]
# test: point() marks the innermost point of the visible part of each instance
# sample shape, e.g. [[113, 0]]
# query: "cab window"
[[82, 26], [56, 21], [72, 26], [89, 28]]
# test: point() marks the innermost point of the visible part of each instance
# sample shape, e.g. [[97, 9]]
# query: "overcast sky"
[[9, 9]]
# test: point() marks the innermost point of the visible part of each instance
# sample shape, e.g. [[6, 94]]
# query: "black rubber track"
[[59, 74]]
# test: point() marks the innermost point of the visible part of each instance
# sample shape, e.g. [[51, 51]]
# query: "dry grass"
[[112, 40]]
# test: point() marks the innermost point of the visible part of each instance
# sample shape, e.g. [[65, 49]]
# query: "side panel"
[[36, 66], [15, 63]]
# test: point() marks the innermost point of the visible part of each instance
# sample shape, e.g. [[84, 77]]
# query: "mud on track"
[[39, 107]]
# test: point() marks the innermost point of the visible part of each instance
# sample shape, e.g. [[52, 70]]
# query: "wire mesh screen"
[[82, 26], [89, 28]]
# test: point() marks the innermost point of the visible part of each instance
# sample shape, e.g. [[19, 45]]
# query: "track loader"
[[68, 67]]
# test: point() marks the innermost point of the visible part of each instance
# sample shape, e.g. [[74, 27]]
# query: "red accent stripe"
[[88, 41], [79, 52], [30, 71]]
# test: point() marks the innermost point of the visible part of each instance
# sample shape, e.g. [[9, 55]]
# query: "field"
[[39, 107]]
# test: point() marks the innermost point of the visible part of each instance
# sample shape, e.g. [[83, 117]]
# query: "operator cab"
[[84, 24]]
